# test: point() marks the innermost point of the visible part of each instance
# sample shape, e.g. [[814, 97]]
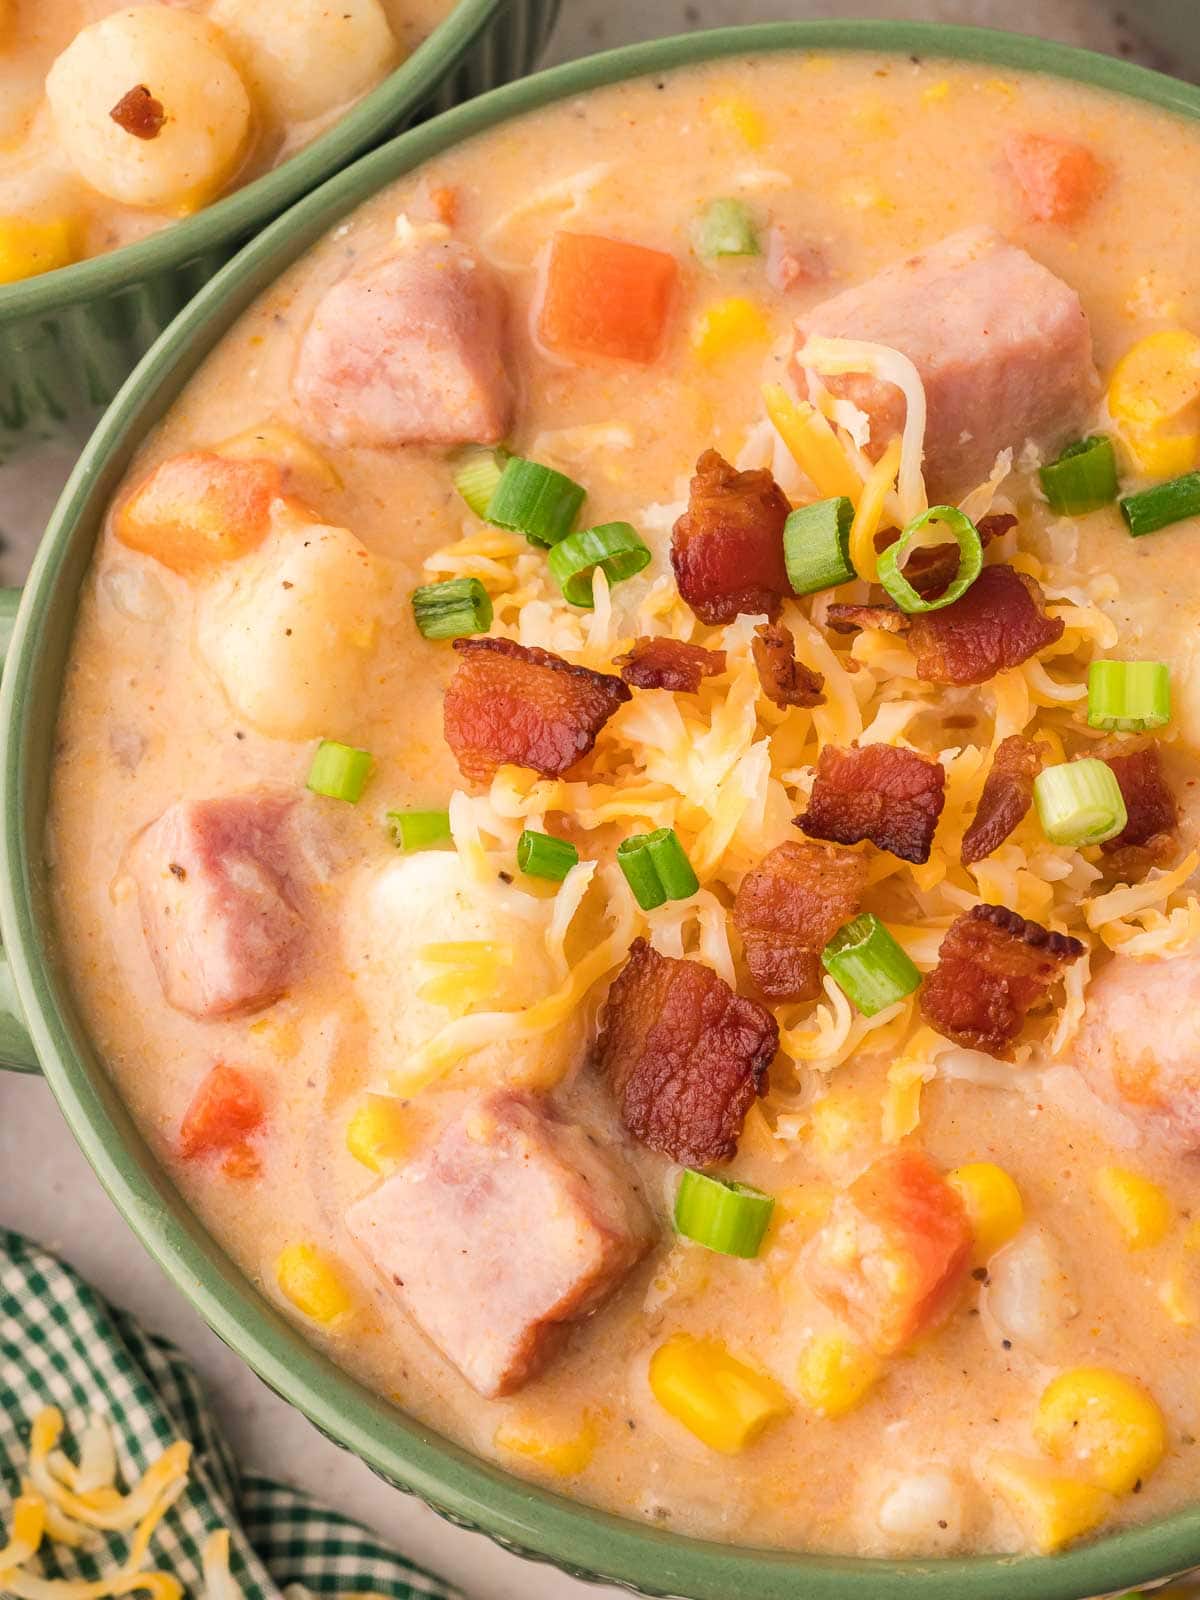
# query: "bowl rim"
[[237, 214], [519, 1515]]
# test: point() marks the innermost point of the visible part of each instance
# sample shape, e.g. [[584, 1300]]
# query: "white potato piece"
[[289, 631], [428, 898], [302, 58], [1029, 1298], [921, 1513], [179, 58]]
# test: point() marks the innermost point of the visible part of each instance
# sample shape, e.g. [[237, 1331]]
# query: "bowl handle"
[[16, 1047]]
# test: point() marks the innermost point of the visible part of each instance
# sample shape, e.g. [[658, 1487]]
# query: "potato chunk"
[[302, 58]]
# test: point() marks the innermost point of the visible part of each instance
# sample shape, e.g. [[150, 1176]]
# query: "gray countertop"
[[46, 1188]]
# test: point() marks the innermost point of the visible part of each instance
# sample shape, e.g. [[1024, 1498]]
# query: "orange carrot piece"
[[197, 510], [225, 1110], [605, 297], [1058, 179]]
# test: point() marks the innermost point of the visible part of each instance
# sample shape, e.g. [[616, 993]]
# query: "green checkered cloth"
[[62, 1345]]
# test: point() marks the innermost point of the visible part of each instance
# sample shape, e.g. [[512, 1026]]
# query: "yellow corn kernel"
[[727, 327], [377, 1132], [1137, 1205], [836, 1374], [565, 1456], [812, 443], [312, 1282], [1051, 1509], [28, 247], [843, 1119], [725, 1403], [1179, 1292], [275, 441], [936, 92], [1159, 454], [1104, 1424], [742, 117], [1157, 379], [993, 1205]]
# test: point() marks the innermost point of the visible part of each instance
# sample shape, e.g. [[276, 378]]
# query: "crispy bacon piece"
[[993, 967], [843, 618], [727, 548], [684, 1055], [1153, 813], [669, 664], [929, 570], [507, 703], [139, 113], [997, 624], [789, 907], [1007, 796], [785, 681], [880, 792]]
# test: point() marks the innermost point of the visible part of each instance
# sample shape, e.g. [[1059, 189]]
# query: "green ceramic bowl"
[[45, 1023], [69, 340]]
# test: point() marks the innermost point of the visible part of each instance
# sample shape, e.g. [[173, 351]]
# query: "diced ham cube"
[[410, 350], [894, 1252], [1002, 346], [219, 902], [511, 1227]]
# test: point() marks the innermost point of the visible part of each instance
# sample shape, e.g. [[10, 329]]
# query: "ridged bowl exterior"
[[68, 341]]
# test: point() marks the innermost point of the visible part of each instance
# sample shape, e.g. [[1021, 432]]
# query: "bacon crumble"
[[996, 625], [881, 792], [785, 681], [727, 548], [846, 618], [1153, 814], [669, 664], [508, 703], [993, 968], [1006, 798], [684, 1055], [789, 907], [138, 112]]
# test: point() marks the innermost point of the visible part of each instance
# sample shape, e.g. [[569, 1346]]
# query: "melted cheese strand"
[[863, 555]]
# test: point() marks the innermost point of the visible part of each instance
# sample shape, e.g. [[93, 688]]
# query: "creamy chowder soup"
[[116, 120], [671, 961]]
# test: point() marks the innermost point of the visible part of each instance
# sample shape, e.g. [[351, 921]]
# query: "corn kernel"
[[1159, 454], [740, 116], [727, 327], [1051, 1509], [564, 1456], [993, 1205], [936, 92], [312, 1283], [1137, 1205], [1157, 379], [1179, 1292], [720, 1399], [376, 1133], [28, 247], [1104, 1424], [836, 1374]]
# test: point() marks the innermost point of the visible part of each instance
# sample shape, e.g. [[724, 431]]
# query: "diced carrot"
[[445, 203], [197, 510], [225, 1110], [605, 297], [894, 1252], [1058, 179]]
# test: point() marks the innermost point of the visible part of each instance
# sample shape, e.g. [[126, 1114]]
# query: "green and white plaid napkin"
[[61, 1344]]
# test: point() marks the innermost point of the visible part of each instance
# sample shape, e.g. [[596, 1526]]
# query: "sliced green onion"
[[1084, 477], [339, 771], [1079, 802], [1129, 696], [725, 229], [536, 501], [1166, 503], [614, 546], [867, 964], [722, 1215], [418, 830], [816, 545], [656, 868], [541, 855], [970, 560], [453, 609], [479, 476]]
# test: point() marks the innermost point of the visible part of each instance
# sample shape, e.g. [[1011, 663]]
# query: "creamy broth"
[[239, 88], [857, 162]]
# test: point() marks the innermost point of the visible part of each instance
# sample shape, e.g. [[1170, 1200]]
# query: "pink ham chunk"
[[1002, 346], [513, 1226], [219, 902], [410, 350]]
